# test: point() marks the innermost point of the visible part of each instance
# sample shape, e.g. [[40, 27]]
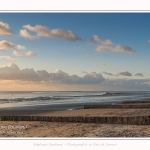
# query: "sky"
[[74, 51]]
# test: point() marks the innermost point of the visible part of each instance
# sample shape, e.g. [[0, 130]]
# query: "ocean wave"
[[85, 96], [15, 100], [48, 98]]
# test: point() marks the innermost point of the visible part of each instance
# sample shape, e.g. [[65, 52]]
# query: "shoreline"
[[61, 107], [73, 106], [140, 107], [75, 129]]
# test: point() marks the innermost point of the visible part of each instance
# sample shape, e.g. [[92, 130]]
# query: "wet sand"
[[98, 112]]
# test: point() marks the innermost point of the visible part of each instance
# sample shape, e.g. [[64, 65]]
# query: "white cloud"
[[90, 81], [15, 53], [148, 41], [7, 57], [29, 54], [96, 39], [26, 34], [42, 31], [118, 48], [107, 45], [125, 73], [92, 78], [5, 29], [12, 72], [139, 74], [13, 65], [89, 78], [5, 45], [20, 47]]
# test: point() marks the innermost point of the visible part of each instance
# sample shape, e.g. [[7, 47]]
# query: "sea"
[[66, 100]]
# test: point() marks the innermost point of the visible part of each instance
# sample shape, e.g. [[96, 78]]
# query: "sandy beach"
[[66, 129], [98, 112]]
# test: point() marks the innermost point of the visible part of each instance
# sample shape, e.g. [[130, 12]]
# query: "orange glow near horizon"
[[8, 85]]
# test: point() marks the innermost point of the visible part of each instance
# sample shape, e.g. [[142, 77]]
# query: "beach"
[[70, 130], [76, 129]]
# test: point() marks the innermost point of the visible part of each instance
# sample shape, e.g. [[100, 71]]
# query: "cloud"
[[98, 40], [92, 78], [139, 74], [12, 65], [29, 54], [104, 45], [110, 74], [42, 31], [13, 72], [5, 29], [12, 76], [127, 84], [148, 41], [20, 47], [7, 57], [118, 48], [125, 73], [26, 34], [5, 45], [15, 53], [89, 78]]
